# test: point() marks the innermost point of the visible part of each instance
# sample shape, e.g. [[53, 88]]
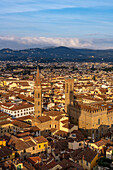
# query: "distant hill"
[[58, 54]]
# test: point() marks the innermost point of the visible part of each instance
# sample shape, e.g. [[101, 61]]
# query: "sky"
[[49, 23]]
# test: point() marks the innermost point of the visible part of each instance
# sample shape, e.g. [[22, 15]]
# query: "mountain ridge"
[[58, 54]]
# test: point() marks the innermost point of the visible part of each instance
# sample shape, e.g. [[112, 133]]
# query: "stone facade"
[[69, 87], [38, 95], [93, 118]]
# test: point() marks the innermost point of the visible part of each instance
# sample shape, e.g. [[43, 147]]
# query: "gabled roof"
[[40, 139], [34, 160]]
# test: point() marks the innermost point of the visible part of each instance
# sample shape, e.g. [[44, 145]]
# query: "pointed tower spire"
[[37, 95], [37, 79]]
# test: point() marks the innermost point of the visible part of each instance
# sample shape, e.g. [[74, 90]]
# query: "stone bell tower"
[[37, 95], [69, 87]]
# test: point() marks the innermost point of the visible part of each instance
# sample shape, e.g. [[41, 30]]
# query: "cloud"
[[42, 42], [33, 42]]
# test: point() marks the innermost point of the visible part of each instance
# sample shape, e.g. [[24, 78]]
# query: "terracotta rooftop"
[[87, 154], [24, 118], [40, 139], [53, 130], [34, 129], [103, 142], [5, 151], [65, 121], [28, 166], [23, 83], [61, 132], [23, 97], [43, 119], [19, 144], [58, 118], [5, 122], [50, 165], [53, 113], [68, 126], [67, 164], [23, 134], [79, 135], [20, 124], [14, 107]]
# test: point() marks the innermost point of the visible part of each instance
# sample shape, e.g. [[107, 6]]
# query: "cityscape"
[[56, 115], [56, 85]]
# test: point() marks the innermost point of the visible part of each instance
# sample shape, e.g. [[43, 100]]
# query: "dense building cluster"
[[58, 117]]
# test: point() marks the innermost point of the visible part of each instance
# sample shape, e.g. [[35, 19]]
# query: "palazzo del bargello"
[[92, 118]]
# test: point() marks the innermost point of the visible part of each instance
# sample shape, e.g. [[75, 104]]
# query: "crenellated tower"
[[38, 95]]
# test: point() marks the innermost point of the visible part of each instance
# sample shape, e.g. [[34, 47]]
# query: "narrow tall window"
[[38, 95], [70, 87], [67, 88], [98, 121]]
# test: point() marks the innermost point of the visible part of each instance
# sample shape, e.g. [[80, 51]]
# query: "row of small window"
[[24, 110], [53, 127], [22, 114], [97, 110], [16, 128], [8, 111], [8, 130], [98, 131], [3, 110], [109, 119], [39, 146], [5, 130]]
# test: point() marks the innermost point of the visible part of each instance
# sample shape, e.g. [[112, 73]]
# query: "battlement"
[[69, 79]]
